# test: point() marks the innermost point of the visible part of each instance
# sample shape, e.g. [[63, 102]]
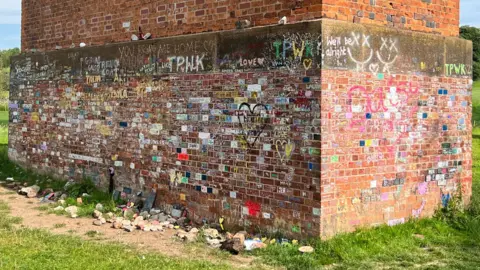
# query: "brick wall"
[[311, 128], [50, 23]]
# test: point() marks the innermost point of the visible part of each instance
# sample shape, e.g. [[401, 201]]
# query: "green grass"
[[3, 127], [476, 103], [38, 249]]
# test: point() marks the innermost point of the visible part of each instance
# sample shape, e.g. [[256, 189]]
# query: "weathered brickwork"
[[50, 23], [312, 128]]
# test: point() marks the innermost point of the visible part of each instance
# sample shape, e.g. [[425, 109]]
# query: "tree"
[[4, 79], [5, 67], [5, 56], [473, 34]]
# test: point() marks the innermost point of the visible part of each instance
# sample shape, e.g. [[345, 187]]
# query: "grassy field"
[[449, 241], [3, 128], [36, 249]]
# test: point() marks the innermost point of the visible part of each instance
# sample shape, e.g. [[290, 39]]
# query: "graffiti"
[[252, 121], [357, 48], [417, 212], [457, 69], [284, 149], [297, 51]]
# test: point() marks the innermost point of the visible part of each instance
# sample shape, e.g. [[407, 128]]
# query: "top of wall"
[[47, 24], [305, 48]]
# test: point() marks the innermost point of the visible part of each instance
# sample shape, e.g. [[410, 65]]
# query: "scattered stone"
[[9, 179], [176, 213], [109, 215], [31, 191], [58, 208], [137, 220], [164, 224], [99, 207], [181, 220], [188, 237], [212, 233], [103, 220], [11, 185], [162, 217], [117, 225], [170, 226], [64, 197], [155, 212], [79, 200], [232, 246], [145, 215], [172, 220], [126, 223], [240, 236], [215, 243], [57, 194], [97, 222], [419, 236], [72, 211], [97, 214], [129, 228], [68, 184], [62, 202], [193, 230], [306, 249]]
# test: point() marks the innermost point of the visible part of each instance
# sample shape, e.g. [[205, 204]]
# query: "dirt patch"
[[162, 242]]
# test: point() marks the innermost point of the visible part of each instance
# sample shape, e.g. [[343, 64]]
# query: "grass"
[[59, 225], [38, 249], [3, 127]]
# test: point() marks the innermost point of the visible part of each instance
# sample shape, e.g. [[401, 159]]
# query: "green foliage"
[[3, 100], [5, 56], [473, 34], [454, 211], [77, 189]]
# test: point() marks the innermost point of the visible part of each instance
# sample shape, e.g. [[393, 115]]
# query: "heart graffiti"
[[284, 149], [252, 122]]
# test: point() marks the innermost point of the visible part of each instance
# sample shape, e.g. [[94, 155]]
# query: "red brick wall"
[[391, 147], [48, 23], [348, 124]]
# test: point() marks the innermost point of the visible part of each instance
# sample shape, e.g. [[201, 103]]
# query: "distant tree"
[[473, 34], [4, 79], [5, 67], [5, 56]]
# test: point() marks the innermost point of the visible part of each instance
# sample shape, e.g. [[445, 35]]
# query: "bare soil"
[[162, 242]]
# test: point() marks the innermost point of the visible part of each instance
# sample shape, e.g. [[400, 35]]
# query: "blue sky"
[[10, 19]]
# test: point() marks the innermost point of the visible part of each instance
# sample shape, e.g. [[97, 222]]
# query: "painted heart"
[[307, 63], [260, 61], [251, 122], [374, 68], [284, 149]]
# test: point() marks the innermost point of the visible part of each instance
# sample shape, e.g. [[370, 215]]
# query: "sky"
[[10, 19]]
